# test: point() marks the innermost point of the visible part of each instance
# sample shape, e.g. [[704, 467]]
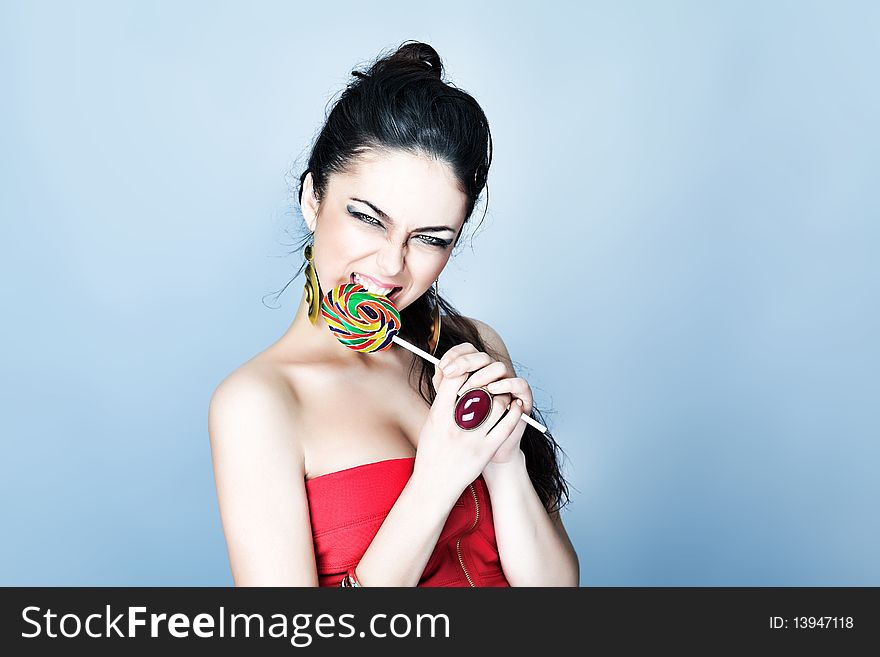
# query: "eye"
[[435, 241], [426, 239], [365, 218]]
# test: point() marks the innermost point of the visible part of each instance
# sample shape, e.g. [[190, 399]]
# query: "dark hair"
[[401, 103]]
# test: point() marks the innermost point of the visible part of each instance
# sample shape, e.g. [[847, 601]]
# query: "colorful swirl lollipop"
[[360, 320]]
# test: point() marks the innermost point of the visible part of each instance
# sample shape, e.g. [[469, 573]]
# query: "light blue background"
[[682, 232]]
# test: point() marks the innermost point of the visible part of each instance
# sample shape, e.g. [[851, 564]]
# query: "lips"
[[374, 281], [390, 295]]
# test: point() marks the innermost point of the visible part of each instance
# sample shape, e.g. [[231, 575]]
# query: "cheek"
[[344, 243], [427, 272]]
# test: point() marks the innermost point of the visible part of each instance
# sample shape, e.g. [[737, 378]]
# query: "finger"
[[516, 386], [488, 374], [511, 384], [460, 367], [468, 363], [454, 352], [501, 431]]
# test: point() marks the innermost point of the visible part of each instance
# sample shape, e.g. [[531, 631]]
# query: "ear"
[[309, 203]]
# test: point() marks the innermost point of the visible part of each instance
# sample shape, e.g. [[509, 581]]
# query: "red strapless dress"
[[348, 507]]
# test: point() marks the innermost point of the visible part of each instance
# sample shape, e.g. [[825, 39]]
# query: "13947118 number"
[[823, 622]]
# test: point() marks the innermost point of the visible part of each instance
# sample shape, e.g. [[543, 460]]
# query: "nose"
[[391, 260]]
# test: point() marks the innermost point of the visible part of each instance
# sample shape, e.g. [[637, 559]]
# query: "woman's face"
[[392, 220]]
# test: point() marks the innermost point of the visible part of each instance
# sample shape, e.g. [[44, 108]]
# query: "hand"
[[448, 457], [499, 380]]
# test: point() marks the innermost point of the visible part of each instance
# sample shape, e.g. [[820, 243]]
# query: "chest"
[[348, 419]]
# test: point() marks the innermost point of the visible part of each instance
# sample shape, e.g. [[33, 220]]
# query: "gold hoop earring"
[[434, 338], [313, 286]]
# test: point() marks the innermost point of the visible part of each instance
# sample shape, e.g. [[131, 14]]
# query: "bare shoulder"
[[493, 340], [253, 403]]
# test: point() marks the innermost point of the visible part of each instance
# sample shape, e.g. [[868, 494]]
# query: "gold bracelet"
[[350, 580]]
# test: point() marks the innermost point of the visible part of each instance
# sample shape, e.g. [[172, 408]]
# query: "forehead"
[[414, 190]]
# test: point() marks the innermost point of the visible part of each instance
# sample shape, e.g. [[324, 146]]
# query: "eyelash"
[[435, 241]]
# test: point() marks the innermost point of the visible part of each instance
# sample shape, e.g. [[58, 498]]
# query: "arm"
[[259, 472], [447, 460], [533, 546], [407, 538]]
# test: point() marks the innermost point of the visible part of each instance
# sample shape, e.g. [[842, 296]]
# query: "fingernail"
[[519, 401]]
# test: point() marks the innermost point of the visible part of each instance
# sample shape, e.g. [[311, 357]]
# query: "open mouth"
[[391, 295]]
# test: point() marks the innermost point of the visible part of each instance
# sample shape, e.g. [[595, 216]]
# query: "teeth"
[[372, 289]]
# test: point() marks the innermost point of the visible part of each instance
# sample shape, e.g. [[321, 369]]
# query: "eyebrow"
[[423, 229]]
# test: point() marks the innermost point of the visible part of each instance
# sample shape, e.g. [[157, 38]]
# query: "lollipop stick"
[[436, 361], [418, 352]]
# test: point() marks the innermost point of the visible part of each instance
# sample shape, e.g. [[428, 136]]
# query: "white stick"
[[424, 354]]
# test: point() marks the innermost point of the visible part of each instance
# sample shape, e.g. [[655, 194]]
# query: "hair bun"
[[419, 53], [415, 54], [411, 56]]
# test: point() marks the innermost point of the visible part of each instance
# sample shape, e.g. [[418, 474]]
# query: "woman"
[[338, 468]]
